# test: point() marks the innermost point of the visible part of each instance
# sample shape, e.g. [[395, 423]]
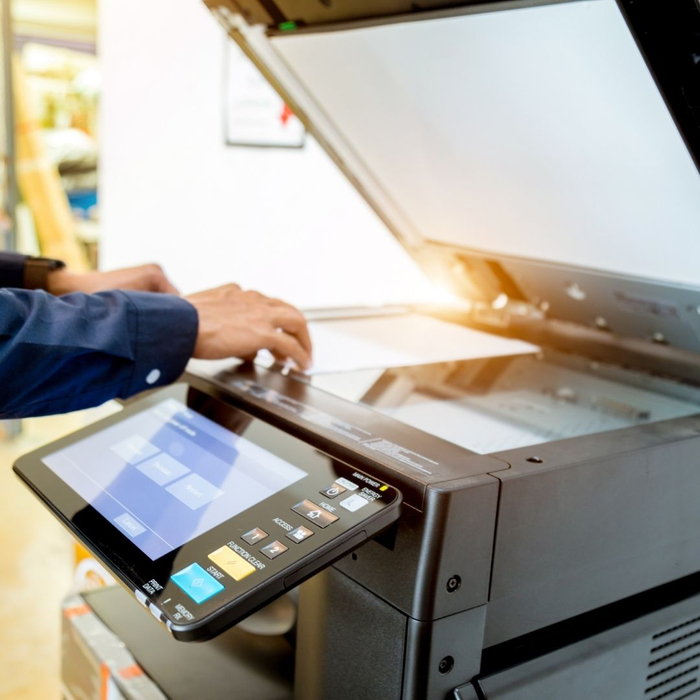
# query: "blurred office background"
[[114, 153]]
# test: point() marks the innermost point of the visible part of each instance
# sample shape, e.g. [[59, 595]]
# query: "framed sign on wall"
[[254, 114]]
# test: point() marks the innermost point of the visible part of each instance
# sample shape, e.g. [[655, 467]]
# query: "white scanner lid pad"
[[535, 132]]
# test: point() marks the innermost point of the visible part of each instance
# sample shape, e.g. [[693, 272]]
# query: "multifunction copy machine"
[[520, 527]]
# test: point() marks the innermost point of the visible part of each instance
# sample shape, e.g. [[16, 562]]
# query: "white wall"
[[284, 222]]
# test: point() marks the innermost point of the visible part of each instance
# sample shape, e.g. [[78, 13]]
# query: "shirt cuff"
[[166, 333], [12, 270]]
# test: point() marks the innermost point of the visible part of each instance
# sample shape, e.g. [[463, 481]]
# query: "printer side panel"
[[403, 617], [652, 657], [599, 520], [349, 643], [439, 563], [352, 645]]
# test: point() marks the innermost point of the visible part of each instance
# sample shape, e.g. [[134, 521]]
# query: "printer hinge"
[[501, 311]]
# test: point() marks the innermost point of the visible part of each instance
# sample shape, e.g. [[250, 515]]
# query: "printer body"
[[539, 159]]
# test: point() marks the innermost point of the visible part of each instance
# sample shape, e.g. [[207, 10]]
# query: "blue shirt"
[[60, 354]]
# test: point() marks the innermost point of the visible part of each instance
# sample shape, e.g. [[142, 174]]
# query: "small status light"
[[287, 26], [384, 488]]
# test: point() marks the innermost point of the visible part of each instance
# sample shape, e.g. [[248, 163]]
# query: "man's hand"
[[145, 278], [234, 323]]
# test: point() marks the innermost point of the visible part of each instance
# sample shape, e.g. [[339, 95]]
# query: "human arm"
[[66, 353], [60, 354], [232, 322], [143, 278]]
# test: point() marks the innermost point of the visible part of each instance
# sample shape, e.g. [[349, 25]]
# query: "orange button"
[[232, 564]]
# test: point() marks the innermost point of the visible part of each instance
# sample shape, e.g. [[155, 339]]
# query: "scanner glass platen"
[[503, 403]]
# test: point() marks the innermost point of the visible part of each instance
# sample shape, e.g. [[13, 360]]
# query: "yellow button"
[[229, 562]]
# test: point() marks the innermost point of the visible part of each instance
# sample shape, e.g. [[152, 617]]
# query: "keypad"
[[197, 583], [254, 536], [300, 534], [333, 491], [274, 549], [314, 513], [231, 563], [354, 502]]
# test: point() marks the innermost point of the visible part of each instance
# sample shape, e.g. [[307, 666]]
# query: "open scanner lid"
[[543, 152]]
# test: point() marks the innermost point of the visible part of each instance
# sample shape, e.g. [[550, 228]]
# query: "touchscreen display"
[[168, 474]]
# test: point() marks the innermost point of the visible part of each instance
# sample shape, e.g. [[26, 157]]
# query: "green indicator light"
[[287, 26]]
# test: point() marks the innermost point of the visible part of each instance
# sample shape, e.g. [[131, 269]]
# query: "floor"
[[36, 571]]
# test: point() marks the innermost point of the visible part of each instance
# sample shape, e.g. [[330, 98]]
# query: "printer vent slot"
[[674, 662], [671, 630], [673, 694]]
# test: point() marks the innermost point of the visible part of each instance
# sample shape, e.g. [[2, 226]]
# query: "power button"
[[333, 491]]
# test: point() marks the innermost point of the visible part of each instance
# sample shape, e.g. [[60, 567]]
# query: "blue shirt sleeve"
[[11, 269], [60, 354]]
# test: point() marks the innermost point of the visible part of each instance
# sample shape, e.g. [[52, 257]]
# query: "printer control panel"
[[205, 512]]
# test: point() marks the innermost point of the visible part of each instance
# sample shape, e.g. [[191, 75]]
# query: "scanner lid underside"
[[527, 149]]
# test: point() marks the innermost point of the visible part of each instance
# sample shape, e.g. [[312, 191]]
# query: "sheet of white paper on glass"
[[255, 114], [402, 341]]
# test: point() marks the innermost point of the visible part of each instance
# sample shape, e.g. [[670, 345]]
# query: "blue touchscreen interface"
[[168, 474]]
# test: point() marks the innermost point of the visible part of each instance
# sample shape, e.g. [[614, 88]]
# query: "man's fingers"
[[163, 285], [280, 357], [292, 321], [283, 346], [157, 280], [169, 288]]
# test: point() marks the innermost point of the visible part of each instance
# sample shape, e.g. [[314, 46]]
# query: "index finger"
[[283, 344], [170, 288], [292, 321]]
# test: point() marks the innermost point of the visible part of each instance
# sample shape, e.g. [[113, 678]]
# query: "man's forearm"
[[60, 354]]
